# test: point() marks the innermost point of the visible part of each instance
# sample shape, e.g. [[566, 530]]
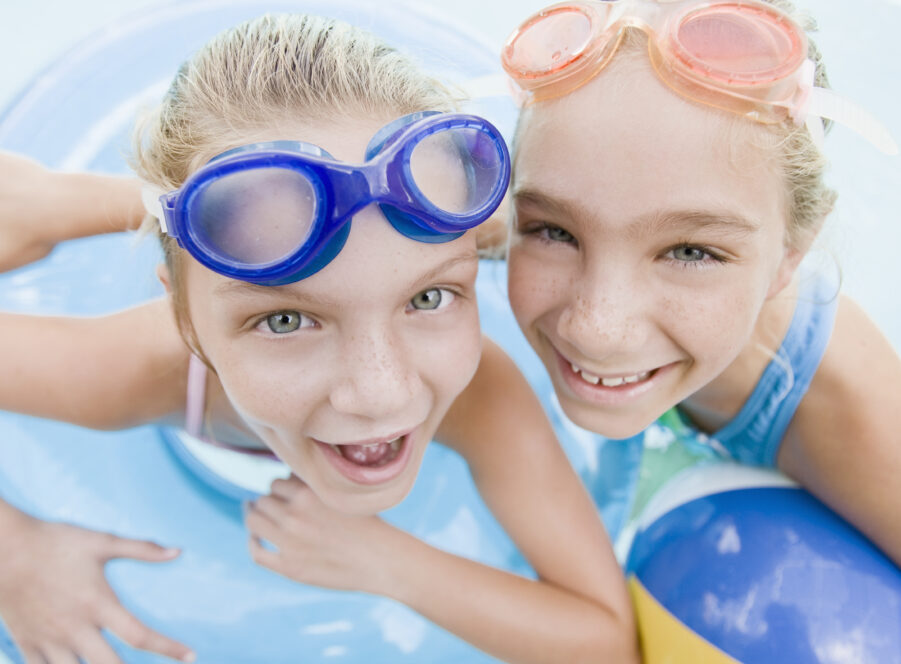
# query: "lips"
[[370, 462], [611, 388]]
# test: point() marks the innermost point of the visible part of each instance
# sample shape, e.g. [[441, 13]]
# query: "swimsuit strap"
[[755, 434], [195, 405], [196, 397]]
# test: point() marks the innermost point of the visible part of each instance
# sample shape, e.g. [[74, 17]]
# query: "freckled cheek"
[[713, 329], [270, 395], [448, 363], [534, 288]]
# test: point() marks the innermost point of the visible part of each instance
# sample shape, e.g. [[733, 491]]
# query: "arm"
[[40, 208], [578, 610], [55, 600], [844, 443], [104, 372]]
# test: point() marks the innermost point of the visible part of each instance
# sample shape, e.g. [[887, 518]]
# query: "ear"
[[791, 259], [162, 273], [786, 270]]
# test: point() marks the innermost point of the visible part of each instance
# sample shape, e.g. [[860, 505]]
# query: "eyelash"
[[711, 259], [442, 304], [306, 322], [541, 231]]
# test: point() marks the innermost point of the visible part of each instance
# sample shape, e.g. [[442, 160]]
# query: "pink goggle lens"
[[738, 44], [549, 43]]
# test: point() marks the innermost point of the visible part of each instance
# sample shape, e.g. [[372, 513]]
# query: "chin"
[[612, 426], [368, 503]]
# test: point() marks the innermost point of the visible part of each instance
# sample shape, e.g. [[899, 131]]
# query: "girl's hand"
[[314, 544], [55, 599]]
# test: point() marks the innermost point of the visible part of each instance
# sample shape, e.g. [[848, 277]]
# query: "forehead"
[[344, 137], [626, 139]]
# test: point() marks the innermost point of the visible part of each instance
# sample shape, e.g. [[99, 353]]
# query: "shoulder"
[[854, 393], [858, 351]]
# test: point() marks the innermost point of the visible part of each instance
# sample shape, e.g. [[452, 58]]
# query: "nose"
[[607, 313], [376, 378]]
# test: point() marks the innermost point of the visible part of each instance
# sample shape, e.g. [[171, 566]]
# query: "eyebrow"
[[687, 219], [236, 288], [727, 223], [438, 270], [553, 205]]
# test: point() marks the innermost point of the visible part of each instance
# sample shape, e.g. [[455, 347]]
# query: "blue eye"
[[431, 299], [557, 234], [284, 322], [689, 254]]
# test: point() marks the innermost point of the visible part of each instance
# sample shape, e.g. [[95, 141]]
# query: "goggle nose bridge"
[[359, 187]]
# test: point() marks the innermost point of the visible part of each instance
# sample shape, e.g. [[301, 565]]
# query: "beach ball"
[[736, 564]]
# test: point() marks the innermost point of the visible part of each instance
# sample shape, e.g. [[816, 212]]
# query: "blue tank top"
[[754, 435]]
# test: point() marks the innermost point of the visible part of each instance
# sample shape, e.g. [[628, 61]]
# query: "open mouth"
[[374, 455], [370, 462]]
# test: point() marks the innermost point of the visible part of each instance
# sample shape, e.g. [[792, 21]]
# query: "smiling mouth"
[[623, 380]]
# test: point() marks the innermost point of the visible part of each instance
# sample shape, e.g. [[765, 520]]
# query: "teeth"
[[609, 382], [395, 444], [591, 378]]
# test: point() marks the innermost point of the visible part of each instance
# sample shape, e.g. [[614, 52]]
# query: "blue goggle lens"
[[254, 217], [457, 170]]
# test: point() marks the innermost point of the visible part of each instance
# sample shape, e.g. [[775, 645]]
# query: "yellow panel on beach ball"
[[664, 639]]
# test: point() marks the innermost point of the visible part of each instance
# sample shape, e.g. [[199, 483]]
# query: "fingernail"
[[171, 551], [189, 657]]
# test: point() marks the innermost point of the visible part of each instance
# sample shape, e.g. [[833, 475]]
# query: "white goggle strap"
[[828, 104], [150, 196], [819, 103]]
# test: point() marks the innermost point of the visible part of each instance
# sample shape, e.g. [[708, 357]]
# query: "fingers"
[[95, 649], [274, 507], [261, 525], [264, 556], [54, 654], [121, 547], [138, 635], [287, 488], [32, 655]]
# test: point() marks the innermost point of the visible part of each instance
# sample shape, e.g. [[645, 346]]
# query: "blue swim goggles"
[[275, 213]]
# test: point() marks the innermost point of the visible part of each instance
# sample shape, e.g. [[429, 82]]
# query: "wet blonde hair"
[[272, 70], [792, 148]]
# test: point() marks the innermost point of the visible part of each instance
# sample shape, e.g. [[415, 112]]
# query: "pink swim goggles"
[[743, 56]]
